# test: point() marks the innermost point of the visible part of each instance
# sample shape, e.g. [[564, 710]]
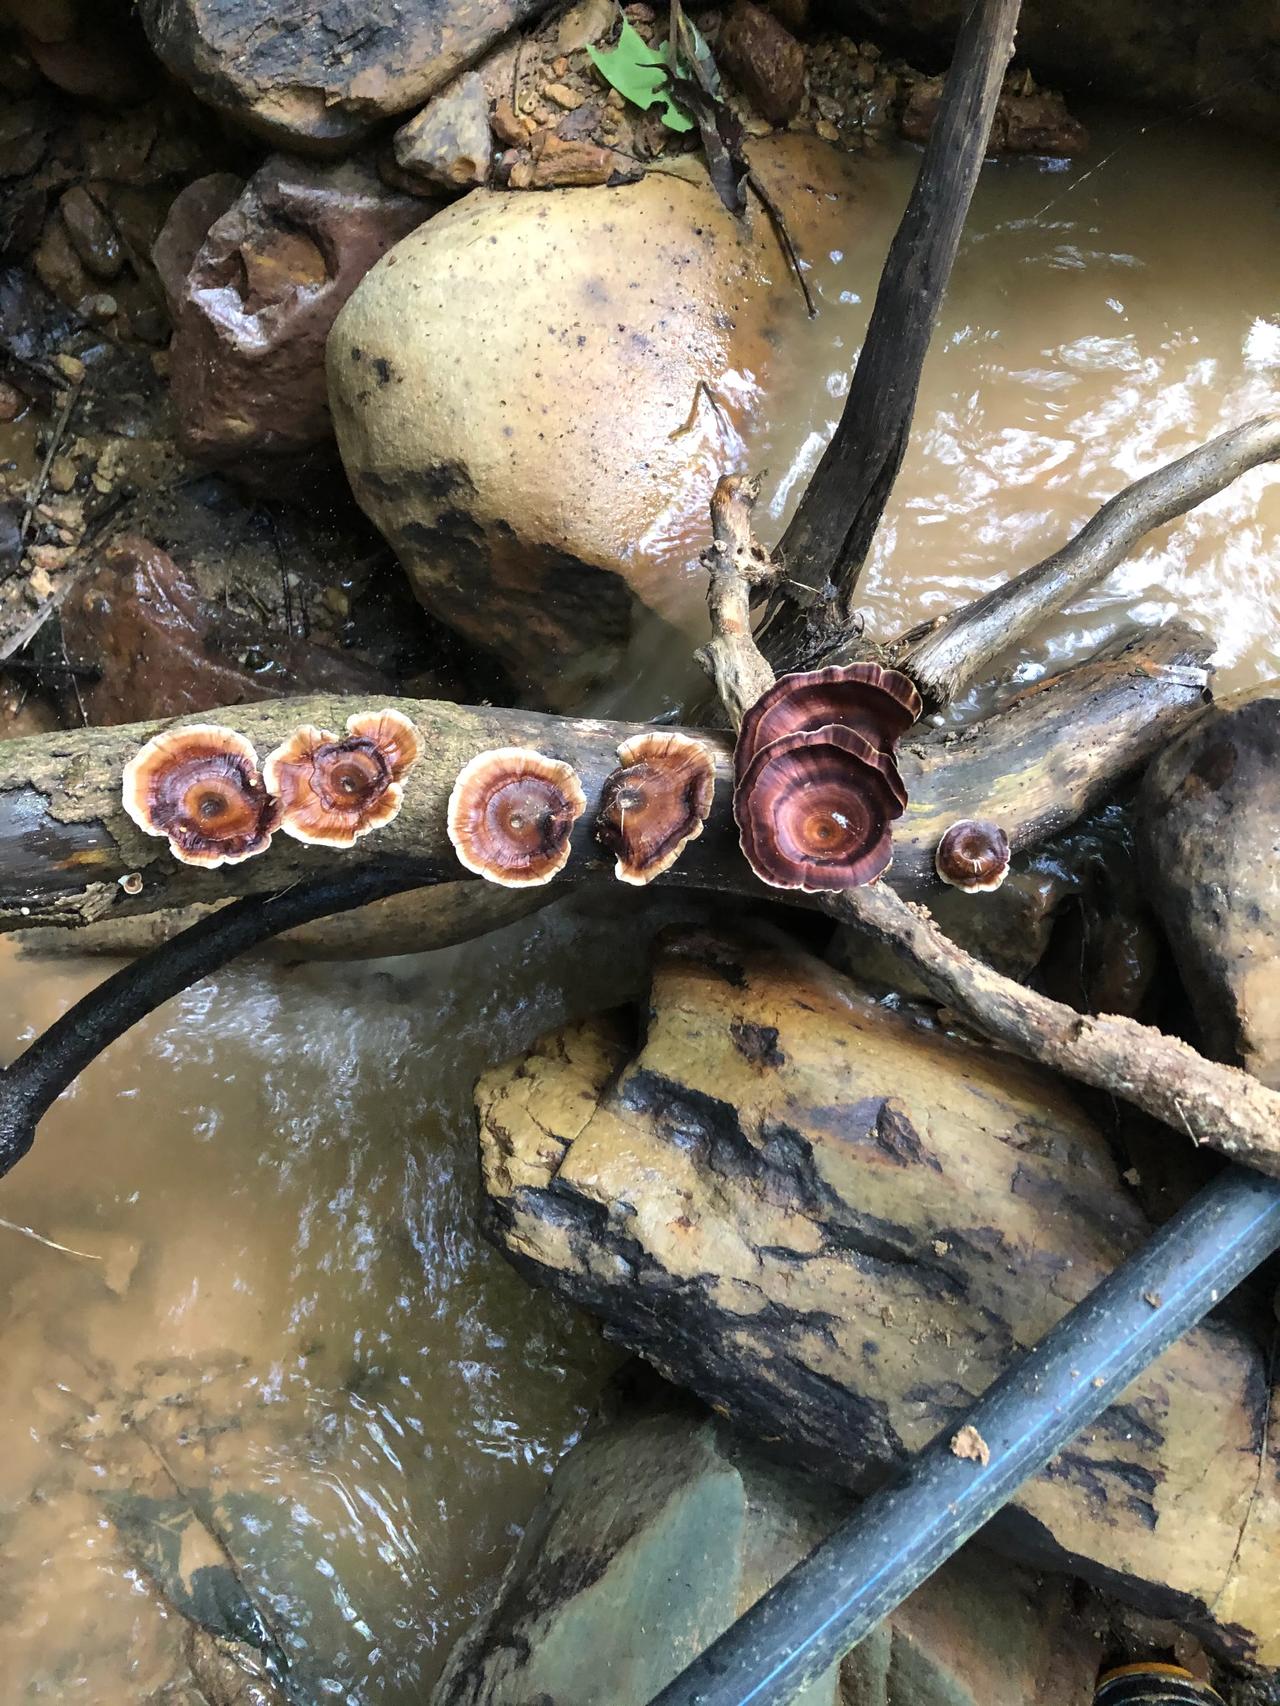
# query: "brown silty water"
[[264, 1318]]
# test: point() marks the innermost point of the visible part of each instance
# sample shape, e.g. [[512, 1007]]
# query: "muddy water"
[[272, 1310], [1104, 317]]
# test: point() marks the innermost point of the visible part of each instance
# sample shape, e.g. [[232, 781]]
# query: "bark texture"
[[838, 1227]]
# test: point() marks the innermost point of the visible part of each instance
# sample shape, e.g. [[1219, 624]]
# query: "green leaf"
[[639, 74]]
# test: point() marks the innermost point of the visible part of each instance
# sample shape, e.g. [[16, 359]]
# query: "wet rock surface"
[[1210, 832], [260, 296], [324, 73], [478, 407], [838, 1226], [661, 1525], [153, 646]]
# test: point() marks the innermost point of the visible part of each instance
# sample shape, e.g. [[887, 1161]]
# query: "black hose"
[[824, 1606]]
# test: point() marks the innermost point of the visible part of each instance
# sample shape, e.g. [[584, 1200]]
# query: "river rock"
[[1210, 832], [449, 145], [190, 215], [661, 1525], [260, 296], [529, 436], [838, 1226], [764, 59], [163, 651], [326, 71]]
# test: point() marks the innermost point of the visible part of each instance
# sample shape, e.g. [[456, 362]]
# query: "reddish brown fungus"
[[973, 855], [332, 790], [199, 786], [655, 803], [815, 811], [880, 704], [511, 814]]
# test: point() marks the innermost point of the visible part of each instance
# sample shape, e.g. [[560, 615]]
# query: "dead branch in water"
[[829, 535], [1212, 1104], [956, 649]]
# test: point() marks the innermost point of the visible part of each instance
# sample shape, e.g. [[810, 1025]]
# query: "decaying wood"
[[1210, 1103], [1036, 763], [736, 564], [839, 1226], [959, 648], [829, 535]]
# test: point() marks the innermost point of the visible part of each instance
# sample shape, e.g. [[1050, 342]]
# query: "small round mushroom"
[[332, 790], [815, 810], [511, 813], [655, 803], [973, 855], [880, 704], [199, 786]]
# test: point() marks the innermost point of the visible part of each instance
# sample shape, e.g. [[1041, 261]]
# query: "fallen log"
[[838, 1227], [1037, 763]]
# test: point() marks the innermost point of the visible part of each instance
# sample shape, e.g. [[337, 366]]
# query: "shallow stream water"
[[271, 1304]]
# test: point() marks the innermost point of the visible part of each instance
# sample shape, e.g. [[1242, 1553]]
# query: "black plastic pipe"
[[837, 1595]]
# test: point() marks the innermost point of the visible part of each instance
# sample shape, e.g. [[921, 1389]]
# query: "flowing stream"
[[247, 1312]]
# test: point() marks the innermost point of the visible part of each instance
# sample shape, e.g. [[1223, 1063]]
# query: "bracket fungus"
[[511, 814], [973, 855], [878, 703], [199, 786], [655, 804], [815, 810], [333, 790]]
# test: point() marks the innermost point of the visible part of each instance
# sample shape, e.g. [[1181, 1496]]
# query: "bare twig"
[[959, 647], [55, 444], [736, 563], [831, 531], [1217, 1105]]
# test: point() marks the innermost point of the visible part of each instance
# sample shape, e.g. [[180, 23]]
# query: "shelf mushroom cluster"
[[512, 810], [200, 787], [816, 783]]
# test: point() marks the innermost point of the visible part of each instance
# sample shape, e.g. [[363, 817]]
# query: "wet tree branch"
[[830, 534], [958, 648]]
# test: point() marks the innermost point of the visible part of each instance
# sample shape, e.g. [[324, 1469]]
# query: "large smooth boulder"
[[534, 394], [838, 1226], [316, 75], [1210, 836], [662, 1525]]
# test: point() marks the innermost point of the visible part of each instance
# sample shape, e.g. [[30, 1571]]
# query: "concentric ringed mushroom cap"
[[973, 855], [332, 790], [199, 786], [879, 703], [655, 803], [511, 814], [815, 810]]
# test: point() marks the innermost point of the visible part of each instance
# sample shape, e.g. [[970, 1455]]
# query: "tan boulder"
[[534, 394]]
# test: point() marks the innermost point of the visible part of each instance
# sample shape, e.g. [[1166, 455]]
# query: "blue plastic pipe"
[[869, 1565]]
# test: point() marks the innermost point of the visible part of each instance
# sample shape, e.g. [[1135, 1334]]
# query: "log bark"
[[831, 531], [1047, 756], [838, 1227]]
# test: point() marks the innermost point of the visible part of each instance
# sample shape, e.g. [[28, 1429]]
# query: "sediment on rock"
[[838, 1227]]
